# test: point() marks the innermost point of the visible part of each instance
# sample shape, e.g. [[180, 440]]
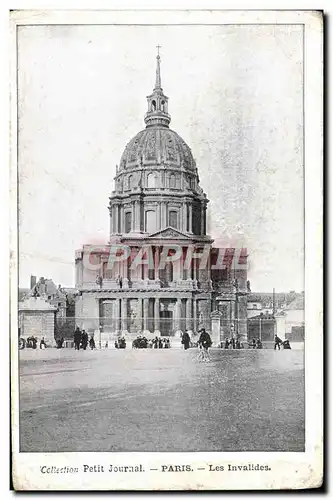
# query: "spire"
[[157, 113], [158, 69]]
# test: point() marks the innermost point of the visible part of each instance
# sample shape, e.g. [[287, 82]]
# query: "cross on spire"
[[158, 69]]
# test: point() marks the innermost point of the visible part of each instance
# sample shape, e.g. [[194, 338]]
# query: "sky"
[[235, 96]]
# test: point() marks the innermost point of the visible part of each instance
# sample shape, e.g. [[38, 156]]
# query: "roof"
[[157, 144], [280, 297], [50, 289], [297, 304], [35, 304]]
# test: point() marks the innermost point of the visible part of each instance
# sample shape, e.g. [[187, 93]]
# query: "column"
[[157, 316], [124, 316], [203, 216], [164, 220], [139, 316], [232, 327], [189, 314], [157, 262], [116, 315], [177, 316], [122, 219], [205, 220], [184, 217], [111, 222], [133, 216], [145, 315], [113, 218], [124, 265], [158, 217], [195, 315], [137, 216], [190, 217]]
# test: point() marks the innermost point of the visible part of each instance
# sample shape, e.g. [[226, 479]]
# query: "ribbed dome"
[[157, 145]]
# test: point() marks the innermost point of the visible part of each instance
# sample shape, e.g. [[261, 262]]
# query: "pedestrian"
[[277, 342], [226, 344], [77, 338], [238, 346], [259, 344], [205, 343], [92, 343], [233, 343], [84, 340], [42, 344], [186, 340]]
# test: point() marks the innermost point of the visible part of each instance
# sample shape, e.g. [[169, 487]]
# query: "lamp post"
[[236, 291]]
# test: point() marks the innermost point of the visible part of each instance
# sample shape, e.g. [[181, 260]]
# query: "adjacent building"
[[62, 304]]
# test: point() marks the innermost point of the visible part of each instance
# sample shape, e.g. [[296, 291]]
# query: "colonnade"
[[143, 320]]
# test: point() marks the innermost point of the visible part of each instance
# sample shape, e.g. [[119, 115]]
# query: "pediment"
[[169, 233]]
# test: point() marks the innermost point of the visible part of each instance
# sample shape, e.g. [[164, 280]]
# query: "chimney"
[[33, 281]]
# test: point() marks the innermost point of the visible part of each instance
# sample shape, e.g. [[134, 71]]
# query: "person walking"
[[77, 338], [84, 340], [92, 343], [186, 340], [204, 343], [277, 342]]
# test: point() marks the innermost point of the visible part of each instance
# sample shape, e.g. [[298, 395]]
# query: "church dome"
[[157, 145]]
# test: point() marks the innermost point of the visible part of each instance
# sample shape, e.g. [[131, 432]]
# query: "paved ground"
[[161, 400]]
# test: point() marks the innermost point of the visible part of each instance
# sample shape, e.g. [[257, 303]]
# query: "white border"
[[289, 470]]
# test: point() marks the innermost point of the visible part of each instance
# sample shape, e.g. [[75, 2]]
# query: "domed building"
[[150, 278]]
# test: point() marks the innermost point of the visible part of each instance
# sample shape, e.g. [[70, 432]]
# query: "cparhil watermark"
[[153, 257]]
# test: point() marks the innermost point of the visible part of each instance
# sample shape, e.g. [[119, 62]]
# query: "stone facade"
[[37, 318], [157, 213]]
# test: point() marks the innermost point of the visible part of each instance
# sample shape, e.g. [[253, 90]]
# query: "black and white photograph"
[[160, 272]]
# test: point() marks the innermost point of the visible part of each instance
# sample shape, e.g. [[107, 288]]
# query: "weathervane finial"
[[158, 69]]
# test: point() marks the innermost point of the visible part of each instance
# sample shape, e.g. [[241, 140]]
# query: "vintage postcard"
[[166, 273]]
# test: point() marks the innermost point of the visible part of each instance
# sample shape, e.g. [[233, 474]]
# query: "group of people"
[[120, 343], [32, 343], [255, 344], [232, 344], [142, 342], [278, 342], [81, 340]]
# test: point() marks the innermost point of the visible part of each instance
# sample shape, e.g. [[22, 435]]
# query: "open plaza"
[[161, 400]]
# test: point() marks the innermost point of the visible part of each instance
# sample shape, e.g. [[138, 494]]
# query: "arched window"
[[151, 180], [172, 181], [150, 221], [153, 105], [163, 105], [173, 219], [130, 182]]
